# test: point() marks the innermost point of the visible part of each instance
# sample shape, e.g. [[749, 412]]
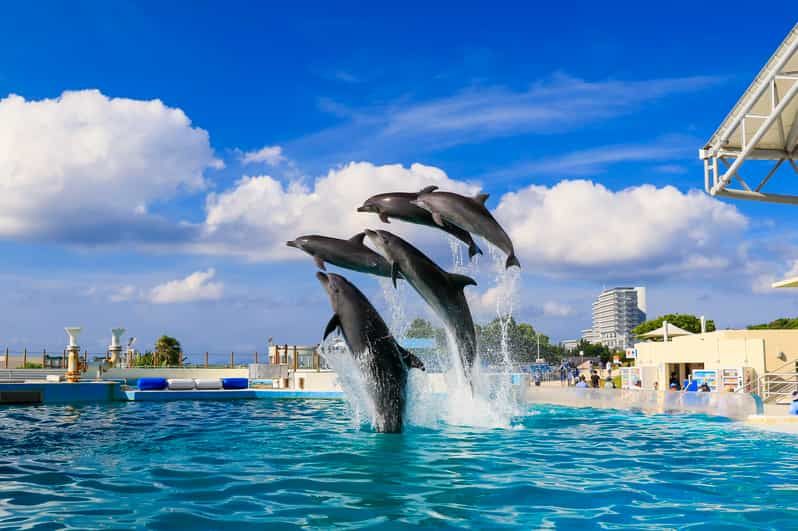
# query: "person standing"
[[594, 380], [794, 405]]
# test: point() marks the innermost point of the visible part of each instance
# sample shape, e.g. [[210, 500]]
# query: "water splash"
[[443, 394], [396, 300], [349, 376]]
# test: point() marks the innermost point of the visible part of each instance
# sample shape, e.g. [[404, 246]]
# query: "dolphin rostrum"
[[349, 254], [383, 362], [441, 290], [468, 213], [398, 205]]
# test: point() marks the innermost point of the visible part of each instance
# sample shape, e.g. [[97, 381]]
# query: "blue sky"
[[577, 118]]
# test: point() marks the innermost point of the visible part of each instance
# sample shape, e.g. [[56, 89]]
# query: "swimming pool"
[[301, 463]]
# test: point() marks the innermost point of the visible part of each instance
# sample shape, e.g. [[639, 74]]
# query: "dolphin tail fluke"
[[512, 261], [411, 360], [473, 250]]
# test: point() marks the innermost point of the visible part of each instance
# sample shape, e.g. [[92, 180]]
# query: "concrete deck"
[[222, 394]]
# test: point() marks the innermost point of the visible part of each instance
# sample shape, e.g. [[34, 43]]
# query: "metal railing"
[[778, 387]]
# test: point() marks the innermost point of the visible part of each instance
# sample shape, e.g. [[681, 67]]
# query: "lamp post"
[[73, 361]]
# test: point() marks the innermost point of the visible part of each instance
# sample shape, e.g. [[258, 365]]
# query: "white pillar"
[[73, 361], [115, 348], [665, 331]]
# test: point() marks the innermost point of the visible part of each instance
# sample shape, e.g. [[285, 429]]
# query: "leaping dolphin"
[[441, 290], [349, 254], [468, 213], [383, 362], [398, 205]]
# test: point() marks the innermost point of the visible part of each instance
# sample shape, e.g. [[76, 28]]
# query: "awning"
[[762, 126], [673, 331]]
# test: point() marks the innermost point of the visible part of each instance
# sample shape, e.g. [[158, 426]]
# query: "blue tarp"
[[235, 383]]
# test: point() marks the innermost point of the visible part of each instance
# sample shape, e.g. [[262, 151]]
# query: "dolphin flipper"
[[473, 249], [411, 360], [394, 273], [461, 281], [335, 322], [481, 198], [438, 219], [428, 189], [384, 217], [320, 263]]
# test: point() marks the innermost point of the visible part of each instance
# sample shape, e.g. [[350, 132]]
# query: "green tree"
[[782, 323], [420, 328], [593, 350], [685, 321], [522, 342], [168, 351]]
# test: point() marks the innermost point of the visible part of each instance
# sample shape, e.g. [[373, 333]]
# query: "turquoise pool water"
[[301, 464]]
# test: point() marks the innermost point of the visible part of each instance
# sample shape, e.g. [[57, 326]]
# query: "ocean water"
[[303, 464]]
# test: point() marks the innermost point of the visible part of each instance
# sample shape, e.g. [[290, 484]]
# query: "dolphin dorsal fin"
[[481, 198], [428, 189], [461, 281], [358, 238]]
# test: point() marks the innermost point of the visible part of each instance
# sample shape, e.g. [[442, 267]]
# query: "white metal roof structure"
[[666, 330], [786, 283], [762, 127]]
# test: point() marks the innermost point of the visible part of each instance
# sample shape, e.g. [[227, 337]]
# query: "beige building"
[[738, 357]]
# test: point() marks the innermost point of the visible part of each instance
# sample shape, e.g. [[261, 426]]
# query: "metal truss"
[[762, 126]]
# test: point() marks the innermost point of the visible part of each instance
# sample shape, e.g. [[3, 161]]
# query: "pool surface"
[[302, 464]]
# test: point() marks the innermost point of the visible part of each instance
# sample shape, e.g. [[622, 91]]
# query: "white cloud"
[[271, 155], [124, 293], [596, 160], [195, 287], [83, 167], [583, 225], [557, 309], [257, 216], [556, 104]]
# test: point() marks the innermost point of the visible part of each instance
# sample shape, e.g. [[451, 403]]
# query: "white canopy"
[[762, 126], [672, 330]]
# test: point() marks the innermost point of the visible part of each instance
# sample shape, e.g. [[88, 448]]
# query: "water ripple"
[[301, 464]]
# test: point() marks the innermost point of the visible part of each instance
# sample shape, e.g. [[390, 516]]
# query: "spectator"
[[674, 381], [538, 377], [673, 387], [594, 380], [794, 405], [656, 386], [704, 388], [638, 384], [582, 383], [608, 383], [563, 374]]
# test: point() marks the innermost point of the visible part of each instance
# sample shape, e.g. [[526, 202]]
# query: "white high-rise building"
[[615, 313]]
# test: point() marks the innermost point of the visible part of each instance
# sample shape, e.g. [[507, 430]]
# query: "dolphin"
[[383, 362], [398, 205], [349, 254], [468, 213], [441, 290]]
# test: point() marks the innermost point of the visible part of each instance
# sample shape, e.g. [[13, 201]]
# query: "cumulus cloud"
[[84, 167], [195, 287], [257, 216], [583, 225], [271, 155]]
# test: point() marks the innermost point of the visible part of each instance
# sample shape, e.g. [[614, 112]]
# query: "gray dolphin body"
[[398, 205], [468, 213], [441, 290], [349, 254], [383, 362]]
